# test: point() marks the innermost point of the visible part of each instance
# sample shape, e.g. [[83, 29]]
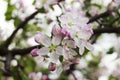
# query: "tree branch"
[[107, 30], [24, 51], [104, 14], [21, 25]]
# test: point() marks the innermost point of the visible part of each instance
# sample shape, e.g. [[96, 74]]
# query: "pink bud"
[[65, 33], [76, 60], [44, 77], [34, 52], [52, 66], [32, 75]]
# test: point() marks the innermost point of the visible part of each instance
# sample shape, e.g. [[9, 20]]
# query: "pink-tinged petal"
[[56, 30], [73, 52], [43, 51], [69, 54], [56, 40], [32, 75], [89, 46], [59, 50], [43, 39], [34, 52], [81, 50], [38, 76], [40, 59], [69, 43], [78, 42], [54, 57]]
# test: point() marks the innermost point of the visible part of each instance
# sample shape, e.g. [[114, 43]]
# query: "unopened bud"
[[34, 52], [52, 66], [44, 77]]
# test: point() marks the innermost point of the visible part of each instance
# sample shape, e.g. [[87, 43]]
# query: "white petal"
[[59, 50], [81, 50], [89, 46], [56, 40], [43, 51], [73, 52], [43, 39], [59, 70], [38, 76], [78, 42], [54, 57], [70, 43], [39, 59]]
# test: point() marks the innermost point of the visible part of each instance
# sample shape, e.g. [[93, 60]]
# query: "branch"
[[107, 30], [21, 25], [104, 14], [24, 51]]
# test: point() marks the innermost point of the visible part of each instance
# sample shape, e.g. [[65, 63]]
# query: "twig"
[[21, 25]]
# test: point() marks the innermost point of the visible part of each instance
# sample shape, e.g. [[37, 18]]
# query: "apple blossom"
[[72, 32], [51, 45]]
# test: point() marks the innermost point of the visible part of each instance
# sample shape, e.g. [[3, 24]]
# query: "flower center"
[[70, 23], [52, 48], [44, 1]]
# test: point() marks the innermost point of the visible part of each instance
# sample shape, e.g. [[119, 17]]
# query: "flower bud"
[[44, 77], [32, 75], [34, 52], [52, 66], [76, 60]]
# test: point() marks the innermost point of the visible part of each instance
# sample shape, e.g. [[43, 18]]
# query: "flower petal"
[[56, 40], [59, 50], [56, 30], [89, 46], [69, 43], [43, 51], [43, 39], [81, 50], [54, 57]]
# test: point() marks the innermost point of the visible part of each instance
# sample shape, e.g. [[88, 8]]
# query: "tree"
[[65, 33]]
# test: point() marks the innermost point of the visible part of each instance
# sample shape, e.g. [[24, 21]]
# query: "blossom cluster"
[[69, 39]]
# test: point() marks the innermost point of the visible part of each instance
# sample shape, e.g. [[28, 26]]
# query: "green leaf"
[[8, 14], [16, 21], [111, 50], [42, 10], [61, 58]]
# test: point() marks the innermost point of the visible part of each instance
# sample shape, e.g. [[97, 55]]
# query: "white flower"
[[51, 45], [76, 24]]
